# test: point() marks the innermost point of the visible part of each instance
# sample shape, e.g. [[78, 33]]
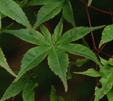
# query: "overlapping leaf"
[[106, 79], [48, 11], [0, 21], [110, 95], [55, 46], [107, 35], [53, 96], [4, 63], [24, 84], [14, 11], [68, 12]]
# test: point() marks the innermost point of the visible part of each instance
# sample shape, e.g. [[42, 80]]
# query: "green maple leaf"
[[24, 84], [55, 47]]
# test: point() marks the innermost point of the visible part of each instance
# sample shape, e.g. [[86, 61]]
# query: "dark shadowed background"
[[81, 88]]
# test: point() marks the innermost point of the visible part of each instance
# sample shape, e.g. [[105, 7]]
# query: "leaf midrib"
[[16, 14], [49, 12], [58, 63]]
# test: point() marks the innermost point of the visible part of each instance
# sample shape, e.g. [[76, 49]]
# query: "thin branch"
[[109, 10], [97, 8], [92, 98], [45, 22], [94, 46], [101, 49]]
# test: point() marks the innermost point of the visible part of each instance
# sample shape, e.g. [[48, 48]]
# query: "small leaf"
[[57, 31], [5, 28], [107, 35], [22, 3], [103, 61], [15, 88], [110, 61], [58, 62], [90, 72], [28, 92], [68, 12], [107, 82], [85, 43], [26, 35], [32, 58], [81, 62], [39, 2], [89, 2], [110, 95], [53, 96], [4, 64], [48, 11], [76, 33], [13, 10]]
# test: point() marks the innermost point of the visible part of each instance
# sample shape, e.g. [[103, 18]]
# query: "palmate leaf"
[[53, 96], [68, 12], [4, 63], [24, 84], [106, 81], [107, 35], [48, 11], [56, 50], [15, 88]]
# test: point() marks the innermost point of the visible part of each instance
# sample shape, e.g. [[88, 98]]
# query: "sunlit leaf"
[[107, 35], [48, 11], [89, 2], [53, 96], [4, 64], [68, 12]]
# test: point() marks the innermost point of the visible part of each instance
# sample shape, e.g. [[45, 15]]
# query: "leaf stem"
[[109, 10], [94, 46], [97, 8]]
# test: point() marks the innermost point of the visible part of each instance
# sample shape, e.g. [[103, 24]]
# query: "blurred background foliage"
[[81, 88]]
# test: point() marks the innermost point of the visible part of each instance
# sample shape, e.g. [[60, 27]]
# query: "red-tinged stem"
[[45, 22], [97, 8], [101, 49], [0, 97], [94, 46], [109, 10], [92, 98]]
